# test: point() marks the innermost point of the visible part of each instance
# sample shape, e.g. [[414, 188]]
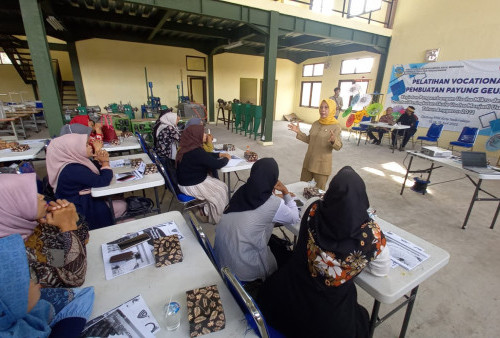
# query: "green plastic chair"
[[257, 118], [236, 109], [247, 118]]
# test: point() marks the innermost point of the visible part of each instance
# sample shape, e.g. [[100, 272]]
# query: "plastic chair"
[[144, 145], [236, 108], [203, 240], [433, 134], [257, 118], [248, 306], [186, 201], [361, 129], [466, 139], [247, 118]]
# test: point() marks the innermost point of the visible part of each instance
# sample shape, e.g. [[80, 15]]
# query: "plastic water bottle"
[[172, 315]]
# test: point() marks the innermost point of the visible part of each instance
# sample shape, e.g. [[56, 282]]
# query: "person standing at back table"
[[338, 101], [323, 137], [387, 118]]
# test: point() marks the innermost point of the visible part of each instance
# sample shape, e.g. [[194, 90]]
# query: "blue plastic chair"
[[361, 129], [466, 139], [186, 201], [144, 145], [249, 307], [203, 240], [433, 134]]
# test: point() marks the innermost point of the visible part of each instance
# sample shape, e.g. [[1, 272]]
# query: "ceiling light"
[[55, 23]]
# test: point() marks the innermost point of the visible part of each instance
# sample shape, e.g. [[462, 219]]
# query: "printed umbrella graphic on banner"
[[350, 121], [347, 111], [493, 143], [374, 109]]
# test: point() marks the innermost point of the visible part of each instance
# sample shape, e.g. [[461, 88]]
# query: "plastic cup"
[[171, 311]]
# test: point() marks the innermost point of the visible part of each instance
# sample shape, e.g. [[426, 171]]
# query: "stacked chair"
[[247, 119]]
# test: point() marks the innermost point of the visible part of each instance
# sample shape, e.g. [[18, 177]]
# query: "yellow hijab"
[[332, 107]]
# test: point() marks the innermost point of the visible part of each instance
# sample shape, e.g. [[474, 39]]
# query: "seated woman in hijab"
[[53, 233], [92, 121], [207, 143], [193, 165], [72, 174], [337, 240], [166, 137], [28, 311], [242, 235]]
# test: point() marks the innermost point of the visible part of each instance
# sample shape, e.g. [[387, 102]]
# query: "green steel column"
[[39, 49], [211, 100], [380, 71], [77, 75], [271, 52]]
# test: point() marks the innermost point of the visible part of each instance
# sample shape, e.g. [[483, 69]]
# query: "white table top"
[[128, 143], [456, 164], [384, 125], [399, 281], [156, 285], [148, 181], [243, 165], [35, 147]]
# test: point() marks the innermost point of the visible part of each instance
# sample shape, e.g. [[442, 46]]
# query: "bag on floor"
[[138, 205]]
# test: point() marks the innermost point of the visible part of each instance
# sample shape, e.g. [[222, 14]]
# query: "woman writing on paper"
[[193, 167], [323, 137], [72, 174], [337, 240]]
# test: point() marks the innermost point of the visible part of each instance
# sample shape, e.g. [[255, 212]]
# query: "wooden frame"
[[314, 65], [310, 93], [368, 57], [196, 63]]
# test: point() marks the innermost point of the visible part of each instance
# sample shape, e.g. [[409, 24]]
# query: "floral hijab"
[[342, 239]]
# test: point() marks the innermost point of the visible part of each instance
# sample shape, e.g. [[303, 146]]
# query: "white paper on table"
[[117, 163], [143, 253], [31, 141], [404, 252], [5, 151], [131, 319], [234, 161]]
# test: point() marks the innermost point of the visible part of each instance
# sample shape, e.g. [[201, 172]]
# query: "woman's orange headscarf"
[[332, 107]]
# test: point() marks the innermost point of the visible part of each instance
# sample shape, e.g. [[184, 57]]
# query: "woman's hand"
[[226, 155], [64, 218], [97, 144], [98, 128], [58, 204], [210, 138], [281, 188], [102, 156], [294, 128], [332, 137]]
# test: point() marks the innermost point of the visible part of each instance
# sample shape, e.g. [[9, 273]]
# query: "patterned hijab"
[[14, 286], [342, 237], [167, 119], [64, 150], [18, 204], [259, 187], [332, 107], [191, 138]]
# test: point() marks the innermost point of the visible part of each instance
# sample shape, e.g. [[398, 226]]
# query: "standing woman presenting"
[[323, 137]]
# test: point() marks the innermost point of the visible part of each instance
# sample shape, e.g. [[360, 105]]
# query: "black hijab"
[[259, 187], [336, 223]]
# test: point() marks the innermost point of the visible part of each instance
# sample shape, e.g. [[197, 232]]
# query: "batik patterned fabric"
[[168, 138], [335, 268], [167, 250], [205, 312], [58, 259]]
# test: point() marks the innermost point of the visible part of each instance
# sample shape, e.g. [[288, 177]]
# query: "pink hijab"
[[18, 204], [64, 150]]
